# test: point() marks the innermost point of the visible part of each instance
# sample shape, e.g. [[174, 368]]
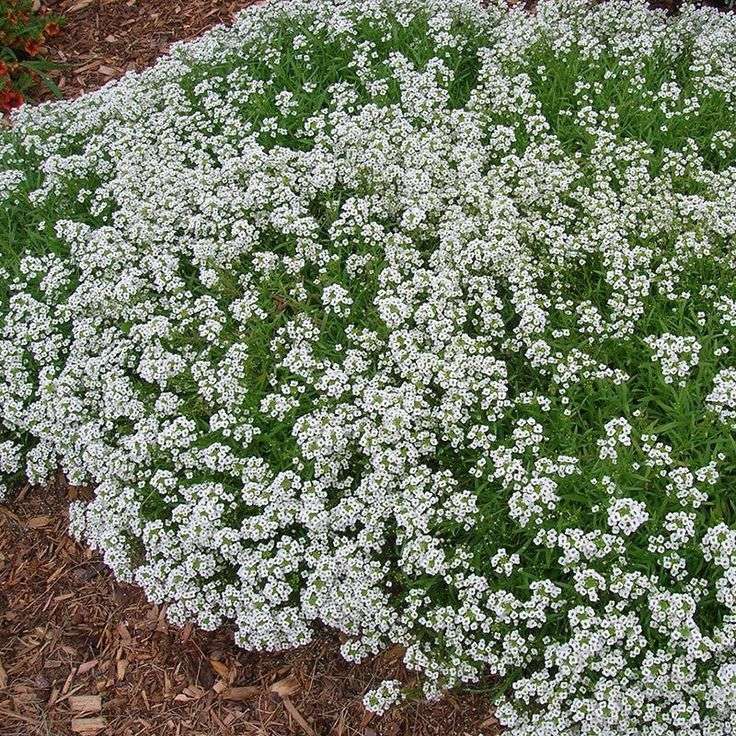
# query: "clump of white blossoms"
[[412, 318], [722, 399], [387, 694], [676, 355]]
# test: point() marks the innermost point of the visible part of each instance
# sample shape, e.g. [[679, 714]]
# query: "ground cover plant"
[[415, 319]]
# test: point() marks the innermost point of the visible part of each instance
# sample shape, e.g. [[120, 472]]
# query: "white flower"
[[722, 399], [381, 698], [626, 515]]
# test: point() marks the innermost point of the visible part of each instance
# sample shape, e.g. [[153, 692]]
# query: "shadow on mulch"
[[82, 653]]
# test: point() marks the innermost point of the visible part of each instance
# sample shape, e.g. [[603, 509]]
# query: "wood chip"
[[52, 697], [243, 693], [220, 668], [287, 686], [107, 71], [3, 677], [161, 624], [85, 703], [79, 5], [86, 666], [192, 692], [39, 522], [68, 682], [186, 632], [88, 725], [298, 717], [124, 634]]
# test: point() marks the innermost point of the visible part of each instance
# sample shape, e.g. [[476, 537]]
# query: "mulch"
[[82, 653], [103, 39]]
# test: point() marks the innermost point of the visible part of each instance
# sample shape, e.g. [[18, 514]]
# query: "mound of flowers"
[[412, 318]]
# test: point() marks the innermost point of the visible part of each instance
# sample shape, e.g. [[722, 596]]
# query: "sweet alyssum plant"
[[414, 318]]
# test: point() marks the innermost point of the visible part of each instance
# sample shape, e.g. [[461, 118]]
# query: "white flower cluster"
[[626, 515], [676, 355], [409, 317], [722, 399], [387, 694]]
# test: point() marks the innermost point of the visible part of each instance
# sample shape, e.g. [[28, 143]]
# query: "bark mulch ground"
[[102, 39], [82, 653]]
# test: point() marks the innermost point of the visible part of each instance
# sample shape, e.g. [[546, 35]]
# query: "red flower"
[[9, 99], [3, 69], [52, 29], [32, 47]]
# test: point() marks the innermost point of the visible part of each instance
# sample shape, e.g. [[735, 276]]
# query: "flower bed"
[[411, 318]]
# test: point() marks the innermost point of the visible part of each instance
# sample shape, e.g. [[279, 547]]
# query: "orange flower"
[[52, 29], [10, 99], [31, 46]]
